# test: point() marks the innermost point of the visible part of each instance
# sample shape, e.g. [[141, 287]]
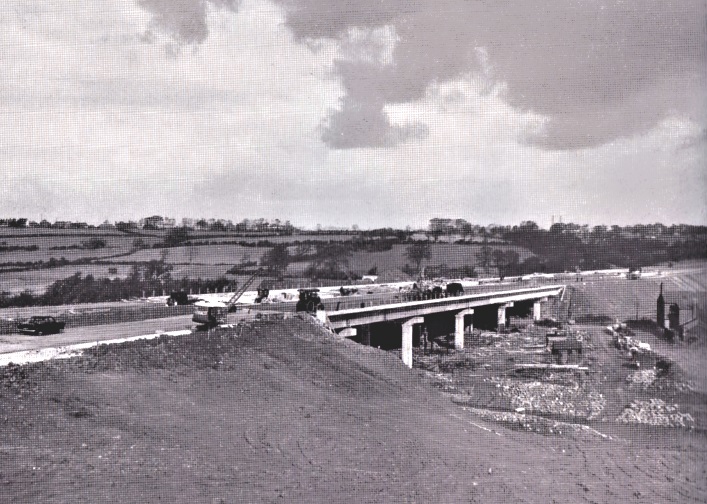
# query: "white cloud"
[[99, 108]]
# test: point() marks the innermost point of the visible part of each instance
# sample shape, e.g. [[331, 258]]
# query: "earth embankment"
[[283, 411]]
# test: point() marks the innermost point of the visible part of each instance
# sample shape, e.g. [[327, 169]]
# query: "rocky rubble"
[[643, 378], [655, 412], [534, 423], [651, 379], [551, 398]]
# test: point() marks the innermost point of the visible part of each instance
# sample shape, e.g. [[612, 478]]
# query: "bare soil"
[[286, 412]]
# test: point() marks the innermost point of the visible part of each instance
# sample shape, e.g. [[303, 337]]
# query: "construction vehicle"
[[454, 289], [181, 298], [309, 300], [263, 291], [208, 314], [634, 273]]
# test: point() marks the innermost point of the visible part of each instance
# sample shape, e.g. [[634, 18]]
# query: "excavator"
[[209, 314]]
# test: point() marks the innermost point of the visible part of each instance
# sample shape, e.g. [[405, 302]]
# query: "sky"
[[356, 112]]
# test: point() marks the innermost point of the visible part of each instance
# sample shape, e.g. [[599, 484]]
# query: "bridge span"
[[452, 310]]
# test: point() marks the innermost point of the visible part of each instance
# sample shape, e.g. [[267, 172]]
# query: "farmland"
[[36, 258]]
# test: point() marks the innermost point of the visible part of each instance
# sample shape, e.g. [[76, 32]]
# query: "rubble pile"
[[534, 423], [652, 379], [643, 378], [552, 398], [655, 412]]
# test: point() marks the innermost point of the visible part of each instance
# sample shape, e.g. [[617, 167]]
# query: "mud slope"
[[282, 412], [630, 299]]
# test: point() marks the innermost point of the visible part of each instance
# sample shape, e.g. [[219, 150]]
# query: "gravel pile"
[[551, 398], [534, 423], [651, 379], [655, 412], [643, 378]]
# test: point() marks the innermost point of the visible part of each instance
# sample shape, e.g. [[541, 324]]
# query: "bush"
[[93, 243]]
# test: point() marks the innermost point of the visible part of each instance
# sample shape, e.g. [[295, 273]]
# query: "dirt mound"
[[284, 411]]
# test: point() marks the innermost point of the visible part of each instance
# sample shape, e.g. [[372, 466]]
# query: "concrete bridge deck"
[[413, 313], [383, 313]]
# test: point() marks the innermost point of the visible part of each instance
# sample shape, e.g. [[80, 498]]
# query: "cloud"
[[365, 124], [184, 20], [108, 119], [423, 110], [597, 70]]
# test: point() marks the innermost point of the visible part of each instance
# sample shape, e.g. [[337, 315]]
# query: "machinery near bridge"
[[208, 314]]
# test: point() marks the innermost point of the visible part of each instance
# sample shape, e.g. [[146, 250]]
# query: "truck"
[[41, 324]]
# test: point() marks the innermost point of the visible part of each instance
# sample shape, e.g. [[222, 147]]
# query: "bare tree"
[[418, 252], [484, 255]]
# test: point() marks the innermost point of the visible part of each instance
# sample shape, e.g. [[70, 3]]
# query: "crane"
[[212, 313]]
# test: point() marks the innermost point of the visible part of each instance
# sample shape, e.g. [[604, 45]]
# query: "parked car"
[[41, 325]]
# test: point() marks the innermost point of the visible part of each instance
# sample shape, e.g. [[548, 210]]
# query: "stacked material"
[[539, 397], [655, 412]]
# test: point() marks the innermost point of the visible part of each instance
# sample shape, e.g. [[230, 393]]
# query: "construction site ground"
[[284, 411]]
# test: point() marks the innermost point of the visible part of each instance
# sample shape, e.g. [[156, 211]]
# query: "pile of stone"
[[643, 378], [656, 412], [533, 423], [539, 397]]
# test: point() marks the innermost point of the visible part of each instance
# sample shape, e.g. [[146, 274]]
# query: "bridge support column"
[[365, 332], [407, 339], [459, 328], [347, 332], [537, 309], [501, 319]]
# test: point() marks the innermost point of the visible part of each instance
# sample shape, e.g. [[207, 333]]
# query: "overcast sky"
[[367, 112]]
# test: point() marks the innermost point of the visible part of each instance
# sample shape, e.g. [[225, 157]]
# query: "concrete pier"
[[537, 309], [460, 328], [348, 332], [502, 315], [407, 339]]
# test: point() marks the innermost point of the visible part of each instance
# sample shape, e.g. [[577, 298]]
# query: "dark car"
[[41, 325]]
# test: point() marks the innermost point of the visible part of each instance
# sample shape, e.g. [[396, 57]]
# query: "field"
[[197, 261], [453, 255], [200, 254]]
